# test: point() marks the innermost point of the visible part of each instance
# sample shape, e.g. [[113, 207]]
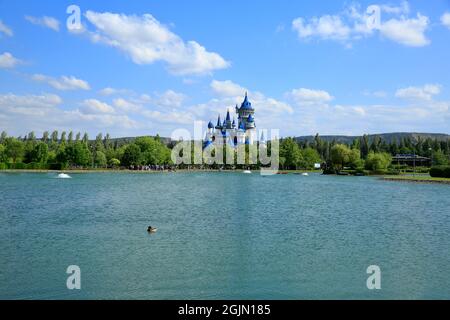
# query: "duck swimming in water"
[[150, 229]]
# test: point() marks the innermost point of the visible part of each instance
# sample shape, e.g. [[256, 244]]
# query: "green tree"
[[153, 150], [70, 137], [3, 156], [354, 159], [115, 163], [291, 153], [45, 137], [364, 146], [107, 141], [31, 137], [85, 138], [100, 159], [310, 157], [378, 161], [63, 137], [39, 153], [77, 154], [15, 149], [3, 136], [439, 158], [132, 155], [340, 156], [55, 136]]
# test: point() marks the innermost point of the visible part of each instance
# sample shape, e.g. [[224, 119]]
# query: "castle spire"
[[219, 123]]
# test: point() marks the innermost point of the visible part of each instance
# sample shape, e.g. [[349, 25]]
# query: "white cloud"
[[7, 60], [20, 114], [409, 32], [63, 83], [108, 91], [310, 96], [170, 98], [445, 19], [325, 27], [5, 29], [93, 106], [127, 106], [28, 104], [269, 112], [419, 93], [227, 88], [146, 41], [48, 22], [352, 25], [403, 8]]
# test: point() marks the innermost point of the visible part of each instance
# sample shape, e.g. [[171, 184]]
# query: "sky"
[[131, 68]]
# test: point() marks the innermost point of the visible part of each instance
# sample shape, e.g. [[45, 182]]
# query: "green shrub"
[[438, 171], [3, 166], [447, 172], [393, 172]]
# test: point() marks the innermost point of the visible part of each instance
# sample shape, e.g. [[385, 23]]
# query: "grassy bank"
[[417, 178]]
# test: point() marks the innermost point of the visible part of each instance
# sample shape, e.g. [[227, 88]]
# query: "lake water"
[[222, 236]]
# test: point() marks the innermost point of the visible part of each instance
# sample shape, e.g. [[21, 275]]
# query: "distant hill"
[[127, 140], [388, 137]]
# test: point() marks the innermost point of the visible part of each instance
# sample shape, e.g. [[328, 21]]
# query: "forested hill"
[[388, 137], [128, 140]]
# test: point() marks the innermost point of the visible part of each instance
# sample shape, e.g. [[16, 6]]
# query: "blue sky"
[[147, 67]]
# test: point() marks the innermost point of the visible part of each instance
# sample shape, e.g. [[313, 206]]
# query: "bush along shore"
[[69, 151]]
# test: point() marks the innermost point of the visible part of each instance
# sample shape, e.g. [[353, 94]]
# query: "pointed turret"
[[219, 123], [250, 122], [263, 138], [246, 105]]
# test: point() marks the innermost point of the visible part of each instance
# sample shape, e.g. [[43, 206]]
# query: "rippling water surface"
[[222, 236]]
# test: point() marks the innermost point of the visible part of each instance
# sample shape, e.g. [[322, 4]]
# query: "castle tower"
[[232, 132], [251, 130], [210, 132], [245, 111]]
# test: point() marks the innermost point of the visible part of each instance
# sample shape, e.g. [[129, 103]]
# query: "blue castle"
[[232, 133]]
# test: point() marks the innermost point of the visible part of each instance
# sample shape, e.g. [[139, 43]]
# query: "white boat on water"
[[247, 172], [64, 176], [305, 174]]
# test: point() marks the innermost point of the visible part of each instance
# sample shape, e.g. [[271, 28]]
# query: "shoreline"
[[417, 179], [400, 178], [144, 171]]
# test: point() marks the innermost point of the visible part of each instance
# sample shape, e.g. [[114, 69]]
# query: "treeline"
[[362, 154], [69, 150], [66, 150]]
